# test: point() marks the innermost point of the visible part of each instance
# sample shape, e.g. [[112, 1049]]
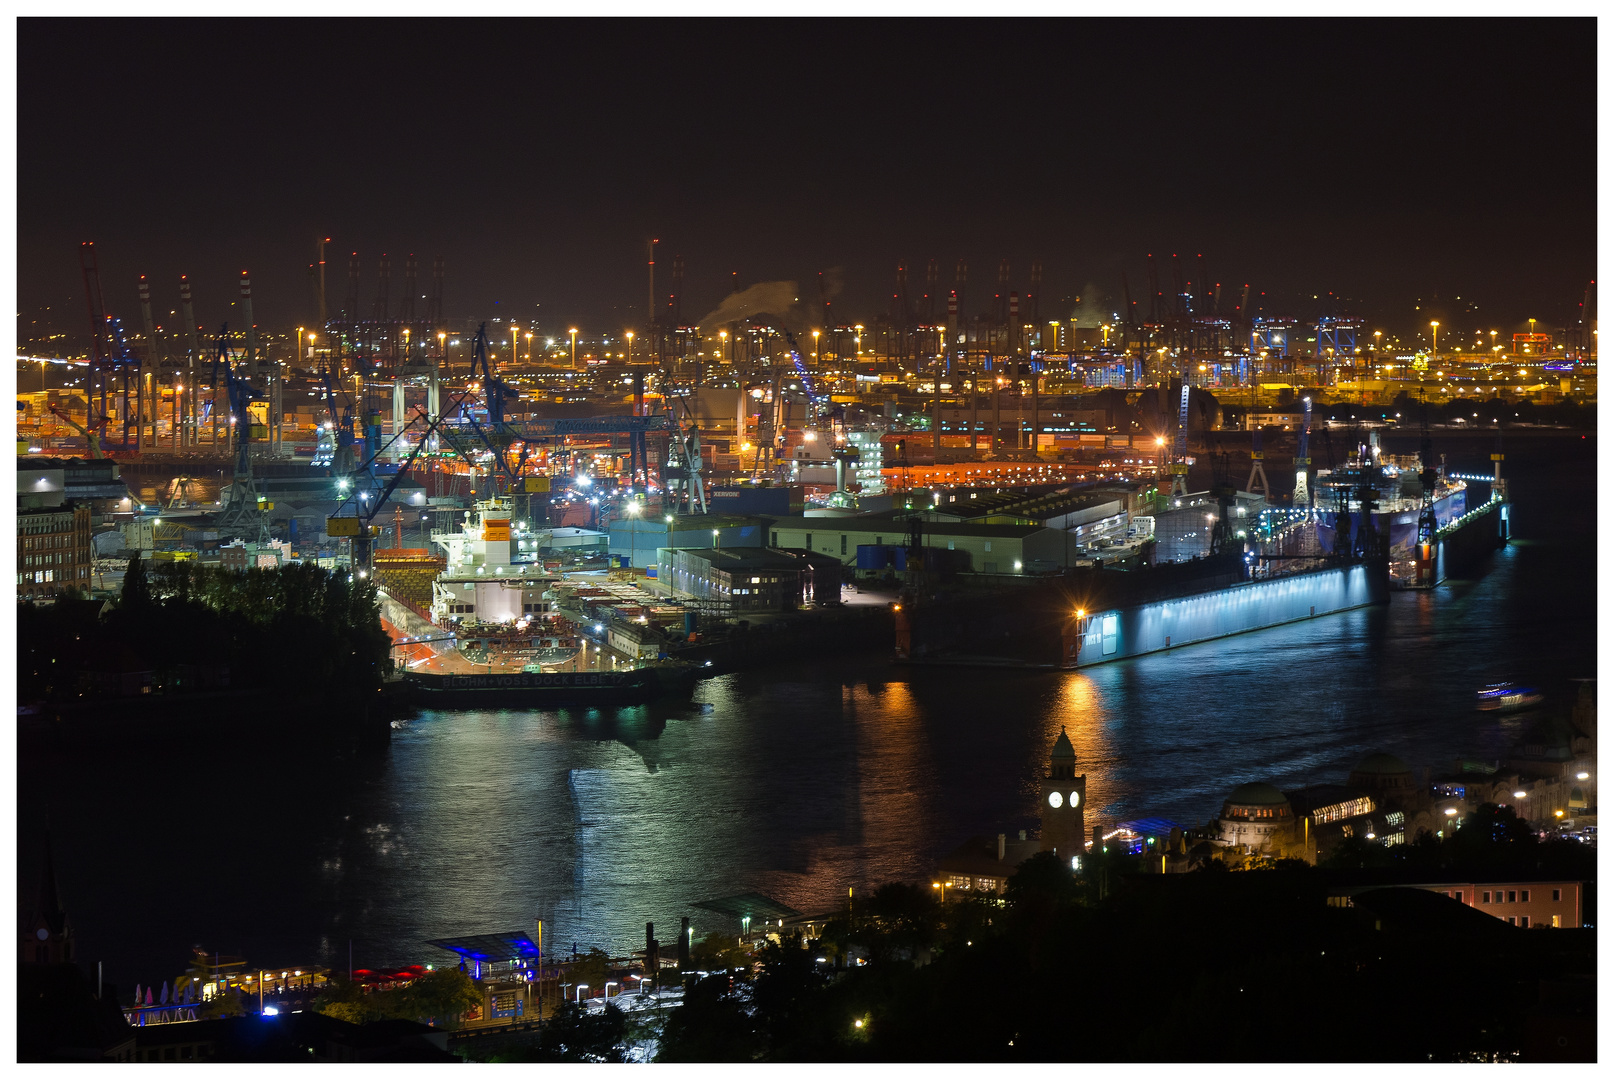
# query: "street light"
[[580, 988], [1434, 346], [529, 345], [573, 332], [630, 346]]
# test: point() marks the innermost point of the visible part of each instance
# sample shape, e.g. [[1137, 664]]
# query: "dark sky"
[[1389, 162]]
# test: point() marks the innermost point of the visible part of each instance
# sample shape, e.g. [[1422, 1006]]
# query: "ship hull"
[[534, 690]]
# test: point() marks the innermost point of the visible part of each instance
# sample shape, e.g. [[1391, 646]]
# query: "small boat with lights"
[[1507, 697]]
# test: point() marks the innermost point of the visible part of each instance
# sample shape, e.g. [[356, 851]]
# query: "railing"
[[1457, 523]]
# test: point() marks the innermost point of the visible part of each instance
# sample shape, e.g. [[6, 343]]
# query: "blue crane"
[[341, 422]]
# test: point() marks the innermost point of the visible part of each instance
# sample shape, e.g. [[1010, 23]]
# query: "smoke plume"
[[1092, 307], [777, 298]]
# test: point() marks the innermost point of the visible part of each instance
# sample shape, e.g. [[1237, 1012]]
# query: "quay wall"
[[1119, 633], [1462, 551]]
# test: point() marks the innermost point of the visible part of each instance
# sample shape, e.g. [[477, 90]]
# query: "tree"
[[444, 995], [136, 593], [712, 1024], [575, 1034], [591, 969]]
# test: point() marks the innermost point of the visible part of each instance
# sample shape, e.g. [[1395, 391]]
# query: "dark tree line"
[[294, 628], [1205, 966]]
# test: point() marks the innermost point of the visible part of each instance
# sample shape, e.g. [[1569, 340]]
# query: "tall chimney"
[[322, 319], [252, 327], [194, 350], [650, 307], [1003, 841], [153, 357]]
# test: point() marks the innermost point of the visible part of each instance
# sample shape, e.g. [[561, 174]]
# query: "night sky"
[[1397, 164]]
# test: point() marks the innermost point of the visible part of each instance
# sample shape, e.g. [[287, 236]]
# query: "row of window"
[[51, 540], [1506, 896], [46, 560], [56, 524]]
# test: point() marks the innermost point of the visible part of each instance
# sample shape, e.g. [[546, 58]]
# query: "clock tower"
[[1064, 801]]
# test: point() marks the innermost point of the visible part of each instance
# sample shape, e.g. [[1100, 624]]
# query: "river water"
[[799, 781]]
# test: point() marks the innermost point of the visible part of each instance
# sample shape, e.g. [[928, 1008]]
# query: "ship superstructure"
[[1395, 485], [499, 604]]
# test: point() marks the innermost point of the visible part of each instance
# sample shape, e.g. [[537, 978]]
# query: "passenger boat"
[[1507, 697]]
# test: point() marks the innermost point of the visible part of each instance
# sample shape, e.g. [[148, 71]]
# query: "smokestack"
[[650, 306], [1003, 841], [252, 327], [191, 434], [154, 358], [151, 327], [322, 318]]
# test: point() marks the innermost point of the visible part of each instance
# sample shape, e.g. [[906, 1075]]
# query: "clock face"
[[1075, 798], [1055, 799], [41, 933]]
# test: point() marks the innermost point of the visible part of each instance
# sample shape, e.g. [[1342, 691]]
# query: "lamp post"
[[573, 332], [630, 347], [1434, 345], [529, 346], [580, 988]]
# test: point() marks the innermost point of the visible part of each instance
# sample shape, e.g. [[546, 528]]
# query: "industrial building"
[[753, 579], [984, 549]]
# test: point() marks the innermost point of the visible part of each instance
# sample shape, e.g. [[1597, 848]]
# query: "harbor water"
[[798, 781]]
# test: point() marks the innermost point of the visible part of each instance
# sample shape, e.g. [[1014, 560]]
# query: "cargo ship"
[[494, 635], [1399, 488]]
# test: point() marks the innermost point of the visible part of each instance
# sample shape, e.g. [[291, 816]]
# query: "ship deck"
[[443, 658]]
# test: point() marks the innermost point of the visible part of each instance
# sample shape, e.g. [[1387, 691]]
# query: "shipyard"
[[689, 602]]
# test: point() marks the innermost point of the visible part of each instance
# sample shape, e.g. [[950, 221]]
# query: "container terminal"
[[534, 503]]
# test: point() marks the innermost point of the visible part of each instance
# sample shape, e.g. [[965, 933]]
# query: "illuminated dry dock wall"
[[1147, 628]]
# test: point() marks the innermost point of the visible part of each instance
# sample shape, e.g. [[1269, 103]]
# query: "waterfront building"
[[54, 550], [983, 865], [1063, 805], [751, 579], [1257, 819], [1542, 901]]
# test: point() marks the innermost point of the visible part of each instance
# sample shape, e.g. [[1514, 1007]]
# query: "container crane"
[[365, 508], [1258, 472], [341, 422], [91, 439]]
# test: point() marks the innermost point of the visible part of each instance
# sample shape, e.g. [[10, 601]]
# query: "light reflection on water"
[[798, 782]]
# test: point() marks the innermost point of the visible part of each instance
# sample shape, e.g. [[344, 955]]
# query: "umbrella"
[[164, 998], [148, 995], [137, 994]]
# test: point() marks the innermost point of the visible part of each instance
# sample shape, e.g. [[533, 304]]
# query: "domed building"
[[1383, 777], [1257, 819]]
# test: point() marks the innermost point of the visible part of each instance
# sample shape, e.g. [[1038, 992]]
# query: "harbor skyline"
[[734, 540]]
